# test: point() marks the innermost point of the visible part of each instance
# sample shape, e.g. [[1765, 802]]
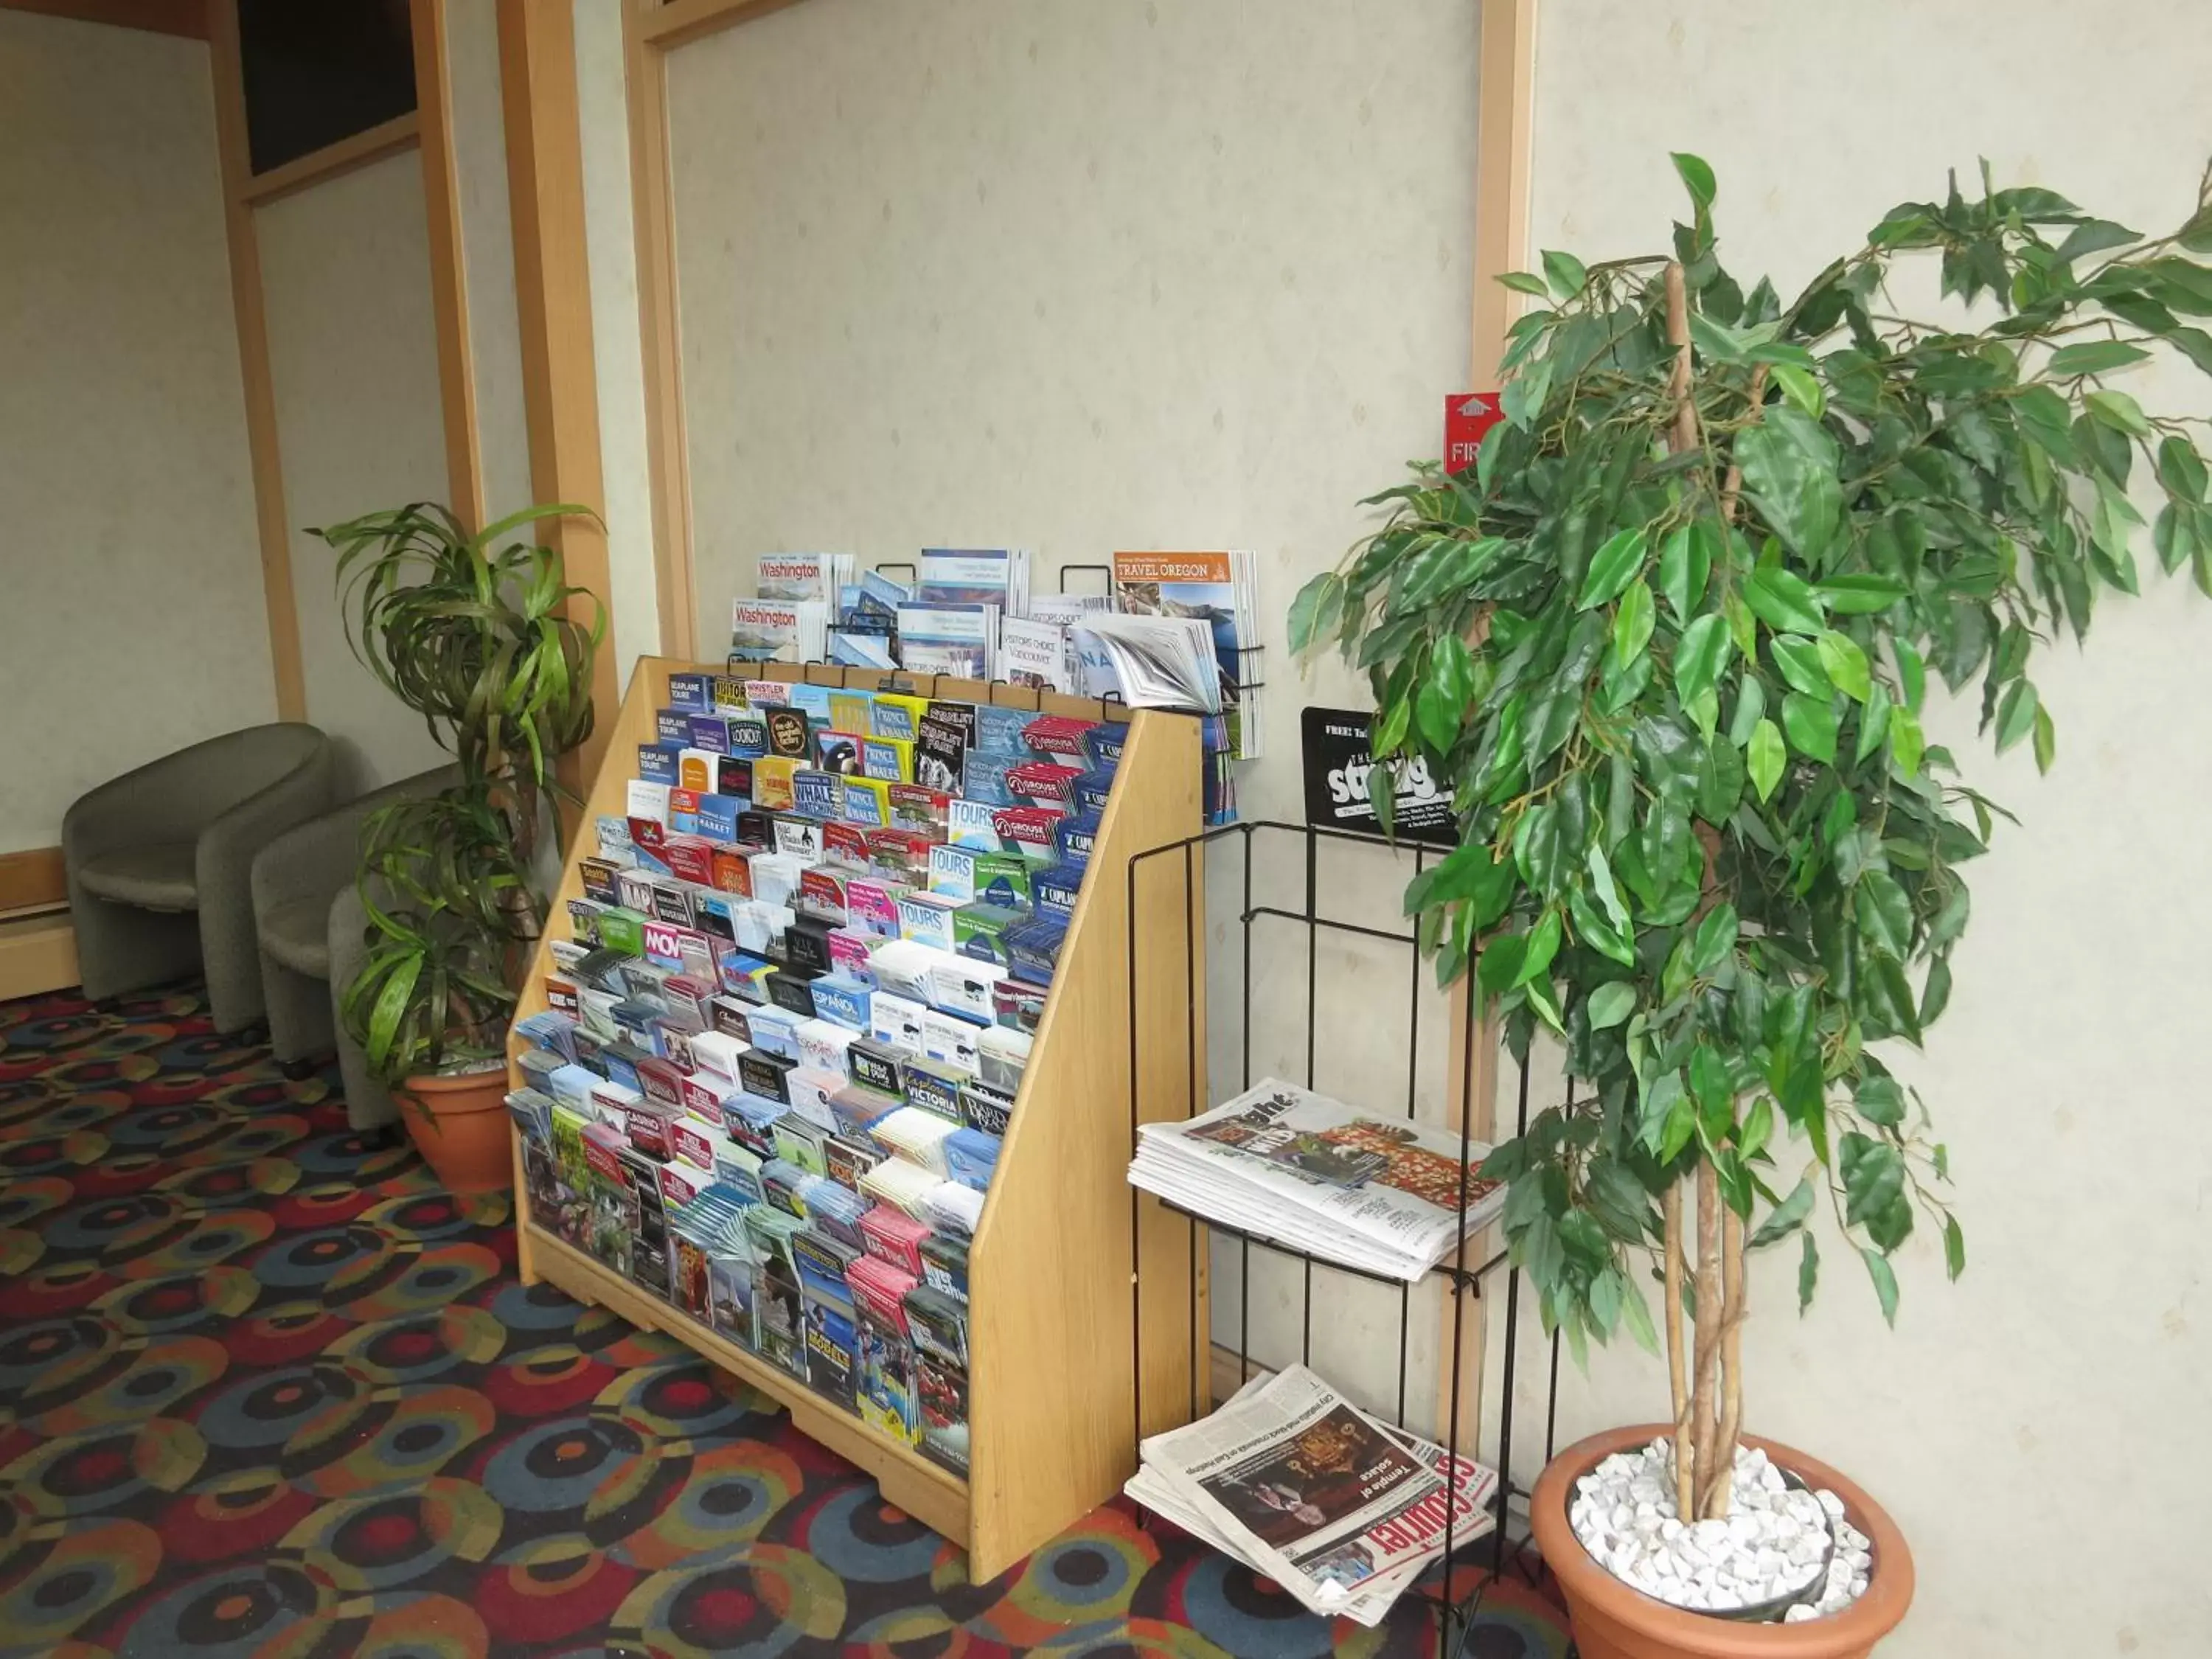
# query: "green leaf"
[[2094, 357], [1885, 1282], [1632, 624], [1799, 659], [1877, 1191], [2181, 469], [1696, 178], [1612, 567], [1790, 474], [1317, 612], [1498, 966], [1800, 388], [1663, 1097], [1858, 595], [1809, 1272], [1543, 945], [2016, 711], [1811, 724], [1765, 755], [1638, 1315], [2119, 411], [1750, 705], [1521, 281], [1911, 673], [1610, 1004], [1782, 600], [1881, 1100], [1785, 1217], [1603, 889], [1884, 912], [1955, 1247], [1523, 400], [2046, 740], [1685, 562], [1715, 938], [1846, 665], [1565, 274], [1700, 656], [1874, 723]]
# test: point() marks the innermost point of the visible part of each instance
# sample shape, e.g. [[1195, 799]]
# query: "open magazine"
[[1154, 662], [1294, 1481], [1379, 1194], [1220, 589]]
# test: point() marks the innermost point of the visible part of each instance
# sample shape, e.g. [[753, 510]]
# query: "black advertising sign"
[[1337, 762]]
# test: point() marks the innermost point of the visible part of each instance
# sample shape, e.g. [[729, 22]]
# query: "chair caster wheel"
[[297, 1070], [255, 1036]]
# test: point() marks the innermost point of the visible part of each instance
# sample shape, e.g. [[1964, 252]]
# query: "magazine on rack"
[[778, 630], [1220, 589], [995, 576], [1034, 654], [1154, 662], [1474, 1487], [961, 640], [1292, 1479], [1379, 1194], [794, 576]]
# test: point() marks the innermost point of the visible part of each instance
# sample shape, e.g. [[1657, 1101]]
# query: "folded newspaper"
[[1301, 1486], [1379, 1194]]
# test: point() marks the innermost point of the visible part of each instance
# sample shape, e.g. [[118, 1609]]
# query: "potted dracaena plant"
[[1669, 646], [484, 641]]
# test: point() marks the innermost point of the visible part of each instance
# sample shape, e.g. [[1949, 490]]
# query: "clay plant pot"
[[1612, 1621], [461, 1126]]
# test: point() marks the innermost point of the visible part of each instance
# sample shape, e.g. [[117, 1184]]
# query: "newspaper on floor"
[[1284, 1164], [1371, 1598], [1294, 1481]]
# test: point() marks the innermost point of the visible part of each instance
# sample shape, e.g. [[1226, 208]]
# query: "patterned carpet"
[[267, 1392]]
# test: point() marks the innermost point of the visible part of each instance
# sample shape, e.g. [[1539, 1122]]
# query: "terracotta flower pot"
[[1612, 1621], [465, 1137]]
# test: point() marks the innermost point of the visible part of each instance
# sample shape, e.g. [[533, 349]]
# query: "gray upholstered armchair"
[[309, 923], [159, 863]]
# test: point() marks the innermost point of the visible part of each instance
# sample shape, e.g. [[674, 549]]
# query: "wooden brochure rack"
[[1052, 1354]]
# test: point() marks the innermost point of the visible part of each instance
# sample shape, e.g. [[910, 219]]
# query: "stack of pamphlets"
[[1301, 1486], [866, 632], [1378, 1194], [778, 630], [1220, 589], [950, 638], [813, 576], [994, 576]]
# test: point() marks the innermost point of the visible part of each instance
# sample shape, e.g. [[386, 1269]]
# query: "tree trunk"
[[1705, 1395], [1677, 1368], [1720, 1472]]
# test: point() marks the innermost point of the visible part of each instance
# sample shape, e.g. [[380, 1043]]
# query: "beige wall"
[[345, 269], [2038, 1430], [1082, 277], [130, 609]]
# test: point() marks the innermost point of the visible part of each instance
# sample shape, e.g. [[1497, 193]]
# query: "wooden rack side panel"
[[1050, 1336], [610, 793]]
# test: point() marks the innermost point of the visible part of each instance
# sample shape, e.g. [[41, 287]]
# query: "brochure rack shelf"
[[1052, 1348]]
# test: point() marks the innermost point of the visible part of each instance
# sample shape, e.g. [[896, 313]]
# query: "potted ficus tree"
[[480, 635], [1669, 645]]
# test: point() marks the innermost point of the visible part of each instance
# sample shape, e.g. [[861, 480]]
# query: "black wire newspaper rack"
[[1294, 856]]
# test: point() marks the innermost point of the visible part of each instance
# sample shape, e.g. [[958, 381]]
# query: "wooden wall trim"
[[187, 18], [32, 879], [400, 132], [1504, 116], [1504, 84], [449, 289], [666, 449], [273, 532], [681, 21], [553, 306]]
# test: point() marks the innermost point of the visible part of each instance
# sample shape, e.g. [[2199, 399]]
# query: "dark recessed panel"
[[319, 71]]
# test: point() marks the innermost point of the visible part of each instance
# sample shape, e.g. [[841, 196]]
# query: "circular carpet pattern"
[[266, 1389]]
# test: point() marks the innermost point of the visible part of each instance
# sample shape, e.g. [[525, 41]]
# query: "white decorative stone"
[[1777, 1540]]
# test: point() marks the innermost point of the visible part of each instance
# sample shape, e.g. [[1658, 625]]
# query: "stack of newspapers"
[[1382, 1195], [1301, 1486]]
